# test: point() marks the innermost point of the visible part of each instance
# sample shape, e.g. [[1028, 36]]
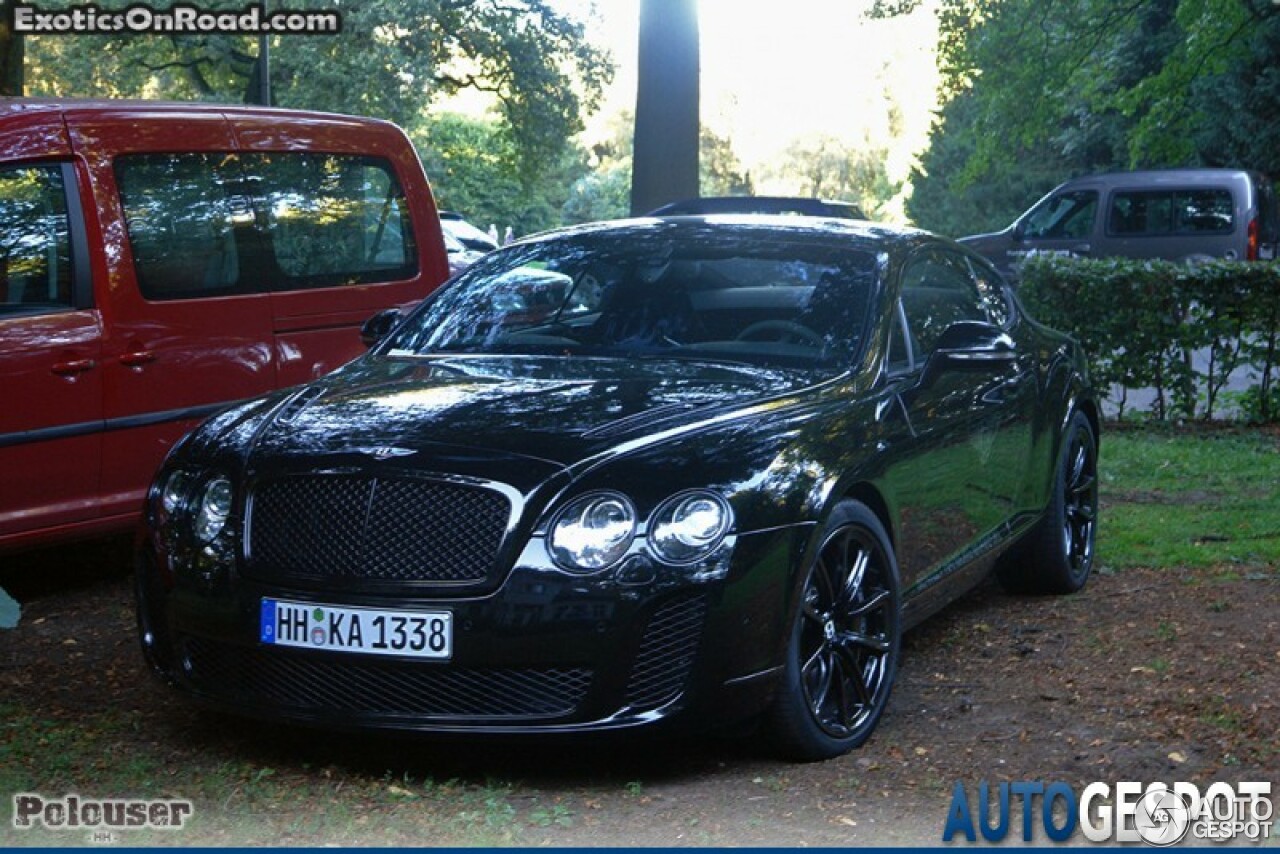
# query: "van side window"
[[181, 211], [333, 219], [1163, 212], [1068, 215], [1203, 212], [212, 224], [35, 243], [937, 290]]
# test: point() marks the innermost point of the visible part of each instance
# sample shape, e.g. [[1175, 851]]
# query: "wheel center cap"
[[829, 630]]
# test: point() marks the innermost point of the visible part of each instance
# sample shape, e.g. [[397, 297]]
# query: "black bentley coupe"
[[698, 470]]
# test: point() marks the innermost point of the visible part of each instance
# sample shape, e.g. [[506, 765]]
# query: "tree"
[[1037, 89], [11, 52], [474, 167], [392, 59], [604, 192], [720, 172], [666, 140], [945, 201], [827, 167]]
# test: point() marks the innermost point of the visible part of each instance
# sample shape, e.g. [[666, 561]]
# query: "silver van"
[[1175, 214]]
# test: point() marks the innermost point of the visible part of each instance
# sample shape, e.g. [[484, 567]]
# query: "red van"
[[158, 261]]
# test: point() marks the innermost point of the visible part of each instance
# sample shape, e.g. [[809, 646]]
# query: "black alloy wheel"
[[1056, 556], [845, 642], [1080, 505]]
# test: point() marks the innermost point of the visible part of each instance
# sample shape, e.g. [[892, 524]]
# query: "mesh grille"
[[338, 526], [292, 680], [666, 652]]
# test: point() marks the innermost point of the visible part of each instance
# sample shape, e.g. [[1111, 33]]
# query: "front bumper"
[[545, 652]]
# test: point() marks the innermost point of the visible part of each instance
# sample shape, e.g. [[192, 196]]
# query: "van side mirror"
[[379, 326], [1018, 232]]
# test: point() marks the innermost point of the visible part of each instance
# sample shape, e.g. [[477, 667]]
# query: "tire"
[[1056, 556], [842, 655]]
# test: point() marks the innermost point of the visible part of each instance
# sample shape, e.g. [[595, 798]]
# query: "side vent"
[[667, 652]]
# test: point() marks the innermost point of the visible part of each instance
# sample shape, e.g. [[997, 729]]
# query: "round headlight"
[[173, 492], [214, 506], [689, 527], [593, 532]]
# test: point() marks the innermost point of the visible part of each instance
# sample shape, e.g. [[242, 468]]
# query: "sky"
[[774, 72]]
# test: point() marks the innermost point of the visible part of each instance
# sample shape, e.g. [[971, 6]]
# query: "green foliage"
[[1140, 321], [944, 201], [603, 194], [392, 59], [474, 167], [829, 168], [605, 191], [720, 171], [1038, 92]]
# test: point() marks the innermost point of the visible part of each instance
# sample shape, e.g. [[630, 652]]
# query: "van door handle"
[[71, 367], [1083, 249], [137, 358]]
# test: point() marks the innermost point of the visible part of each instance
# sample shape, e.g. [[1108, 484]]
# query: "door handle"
[[137, 358], [71, 367], [1083, 249]]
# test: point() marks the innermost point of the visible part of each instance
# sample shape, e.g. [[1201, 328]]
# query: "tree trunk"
[[11, 53], [665, 161]]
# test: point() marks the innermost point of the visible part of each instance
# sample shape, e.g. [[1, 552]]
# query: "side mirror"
[[974, 344], [1018, 232], [379, 326]]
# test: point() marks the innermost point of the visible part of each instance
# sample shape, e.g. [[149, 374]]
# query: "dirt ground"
[[1144, 676]]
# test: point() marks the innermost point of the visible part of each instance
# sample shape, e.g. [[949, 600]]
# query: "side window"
[[937, 290], [333, 219], [899, 357], [990, 291], [1137, 213], [182, 213], [1066, 215], [1209, 211], [35, 243]]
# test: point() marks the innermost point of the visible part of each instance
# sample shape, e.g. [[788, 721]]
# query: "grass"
[[1190, 499]]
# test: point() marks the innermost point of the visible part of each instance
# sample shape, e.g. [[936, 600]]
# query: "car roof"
[[30, 106], [1188, 177], [830, 230], [802, 205]]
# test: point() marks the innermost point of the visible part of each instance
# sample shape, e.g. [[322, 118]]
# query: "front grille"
[[302, 681], [333, 527], [666, 652]]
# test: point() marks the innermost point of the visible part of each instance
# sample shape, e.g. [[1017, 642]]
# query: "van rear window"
[[1169, 212], [209, 224]]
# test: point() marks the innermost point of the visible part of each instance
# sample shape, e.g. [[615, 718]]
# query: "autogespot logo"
[[1156, 813]]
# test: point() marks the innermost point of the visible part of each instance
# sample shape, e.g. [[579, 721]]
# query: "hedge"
[[1140, 321]]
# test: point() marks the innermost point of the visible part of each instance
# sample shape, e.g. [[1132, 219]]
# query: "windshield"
[[718, 295]]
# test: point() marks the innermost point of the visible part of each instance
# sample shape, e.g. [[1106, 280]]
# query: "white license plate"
[[417, 634]]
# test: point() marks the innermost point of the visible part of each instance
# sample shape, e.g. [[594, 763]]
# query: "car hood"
[[552, 411]]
